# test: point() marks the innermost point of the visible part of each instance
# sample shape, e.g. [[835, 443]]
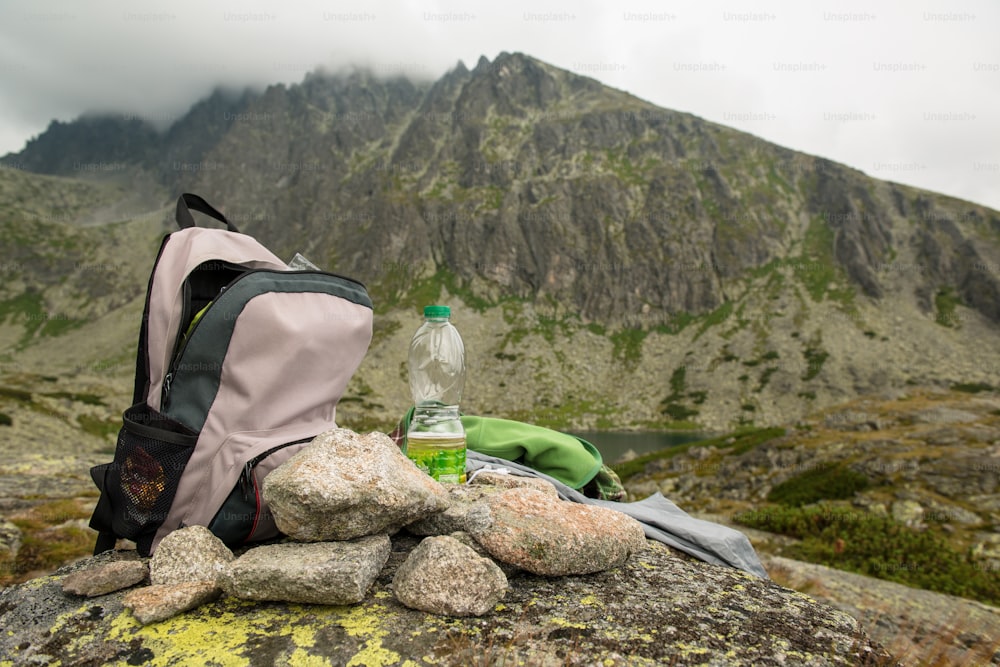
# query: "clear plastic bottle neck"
[[435, 418]]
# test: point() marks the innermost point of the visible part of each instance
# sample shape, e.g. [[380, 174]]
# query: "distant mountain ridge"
[[722, 278]]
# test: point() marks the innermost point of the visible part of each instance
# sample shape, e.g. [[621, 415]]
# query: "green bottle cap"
[[437, 312]]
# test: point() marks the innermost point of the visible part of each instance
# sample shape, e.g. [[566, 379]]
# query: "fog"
[[904, 91]]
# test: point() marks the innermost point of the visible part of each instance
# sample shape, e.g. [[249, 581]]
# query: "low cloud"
[[908, 92]]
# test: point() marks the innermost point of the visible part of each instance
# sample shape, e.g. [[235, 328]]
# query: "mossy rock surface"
[[659, 608]]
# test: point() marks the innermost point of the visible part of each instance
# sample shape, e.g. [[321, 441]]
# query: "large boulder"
[[187, 555], [345, 485], [544, 535], [313, 572], [446, 577], [659, 607], [107, 578], [159, 602]]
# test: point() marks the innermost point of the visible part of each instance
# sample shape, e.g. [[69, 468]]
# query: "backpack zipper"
[[247, 482], [182, 341]]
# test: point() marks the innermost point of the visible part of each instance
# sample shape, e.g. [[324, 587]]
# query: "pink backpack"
[[241, 362]]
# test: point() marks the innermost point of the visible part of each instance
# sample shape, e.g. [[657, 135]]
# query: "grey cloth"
[[661, 519]]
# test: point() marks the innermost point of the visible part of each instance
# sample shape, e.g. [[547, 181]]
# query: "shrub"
[[679, 412], [971, 387], [877, 546], [828, 482], [814, 362]]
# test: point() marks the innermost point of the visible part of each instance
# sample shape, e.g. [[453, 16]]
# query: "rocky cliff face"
[[586, 240]]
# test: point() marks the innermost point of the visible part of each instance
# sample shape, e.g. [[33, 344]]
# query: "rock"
[[10, 539], [189, 554], [443, 576], [345, 485], [162, 601], [106, 578], [928, 628], [950, 513], [987, 550], [462, 500], [316, 572], [699, 453], [945, 415], [509, 481], [646, 488], [660, 607], [552, 537], [908, 512], [962, 475], [469, 541], [853, 420]]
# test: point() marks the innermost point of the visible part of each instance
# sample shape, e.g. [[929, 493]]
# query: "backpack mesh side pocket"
[[150, 458]]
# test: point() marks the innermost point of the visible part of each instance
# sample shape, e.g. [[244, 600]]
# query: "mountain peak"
[[591, 217], [518, 149]]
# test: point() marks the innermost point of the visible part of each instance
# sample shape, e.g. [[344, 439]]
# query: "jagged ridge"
[[594, 221]]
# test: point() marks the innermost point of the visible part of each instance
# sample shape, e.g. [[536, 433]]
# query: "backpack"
[[241, 361]]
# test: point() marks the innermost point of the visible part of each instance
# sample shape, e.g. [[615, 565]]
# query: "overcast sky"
[[905, 90]]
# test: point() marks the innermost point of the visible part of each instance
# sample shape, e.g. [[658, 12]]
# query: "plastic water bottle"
[[435, 440]]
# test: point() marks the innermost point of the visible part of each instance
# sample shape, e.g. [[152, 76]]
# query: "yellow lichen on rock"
[[221, 636], [364, 623]]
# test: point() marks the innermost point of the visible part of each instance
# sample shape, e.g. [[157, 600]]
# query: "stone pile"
[[339, 500]]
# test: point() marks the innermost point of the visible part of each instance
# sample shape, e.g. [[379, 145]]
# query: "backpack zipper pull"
[[246, 481], [166, 383]]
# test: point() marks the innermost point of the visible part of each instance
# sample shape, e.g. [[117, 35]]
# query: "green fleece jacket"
[[571, 460]]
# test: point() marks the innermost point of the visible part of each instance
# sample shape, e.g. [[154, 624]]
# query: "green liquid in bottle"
[[442, 456]]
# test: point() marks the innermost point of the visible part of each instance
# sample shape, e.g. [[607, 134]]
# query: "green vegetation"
[[827, 482], [945, 302], [815, 268], [28, 309], [678, 412], [678, 322], [815, 358], [972, 387], [765, 377], [627, 172], [102, 428], [49, 540], [672, 406], [738, 442], [717, 316], [5, 420], [401, 286], [628, 345], [16, 394], [878, 546], [678, 380]]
